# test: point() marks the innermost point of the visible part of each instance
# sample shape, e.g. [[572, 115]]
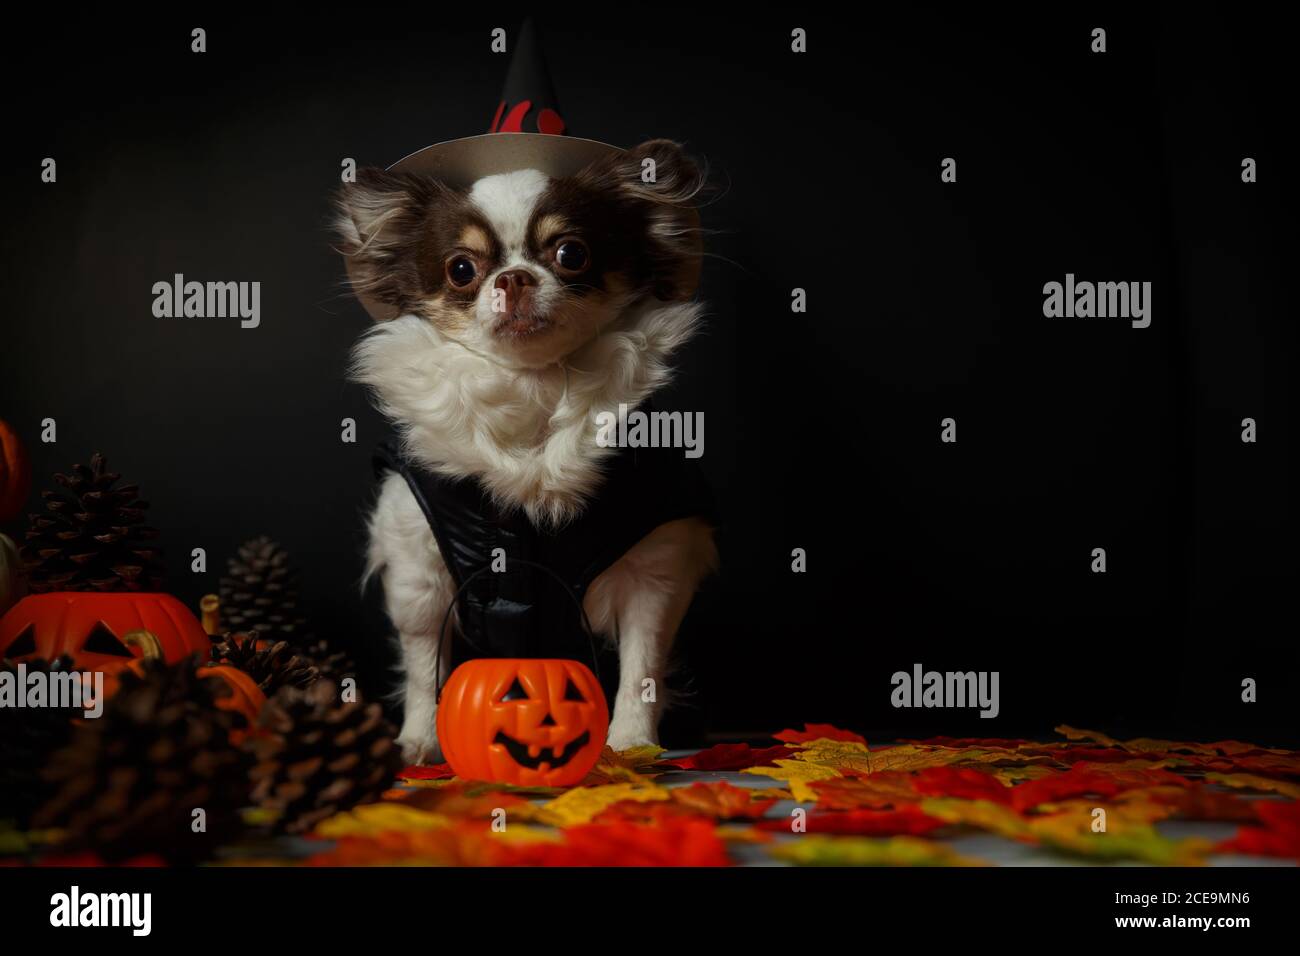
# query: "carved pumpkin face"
[[102, 632], [526, 722]]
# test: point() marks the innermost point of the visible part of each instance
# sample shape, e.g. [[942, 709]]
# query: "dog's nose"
[[514, 282]]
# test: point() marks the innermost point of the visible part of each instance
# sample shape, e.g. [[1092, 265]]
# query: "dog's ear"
[[666, 183], [377, 220]]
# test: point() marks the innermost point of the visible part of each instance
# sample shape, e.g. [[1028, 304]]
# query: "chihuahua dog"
[[527, 305]]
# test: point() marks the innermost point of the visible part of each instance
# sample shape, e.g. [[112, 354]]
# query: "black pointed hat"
[[527, 131]]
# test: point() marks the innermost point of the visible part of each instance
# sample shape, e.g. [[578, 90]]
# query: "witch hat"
[[527, 130]]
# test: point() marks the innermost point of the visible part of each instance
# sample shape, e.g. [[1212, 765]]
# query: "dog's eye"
[[571, 256], [571, 692], [516, 692], [461, 271]]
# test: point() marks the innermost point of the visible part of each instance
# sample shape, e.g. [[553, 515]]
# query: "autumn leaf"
[[728, 757], [463, 800], [685, 841], [716, 801], [1197, 803], [721, 801], [373, 818], [862, 851], [441, 771], [964, 743], [818, 732], [1082, 780], [1246, 781], [1071, 832], [798, 775], [466, 843], [964, 782], [877, 790], [637, 765], [1227, 748], [1279, 835], [581, 804], [908, 820], [910, 757]]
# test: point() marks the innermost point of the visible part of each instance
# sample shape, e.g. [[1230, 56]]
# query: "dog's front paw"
[[419, 749], [625, 738]]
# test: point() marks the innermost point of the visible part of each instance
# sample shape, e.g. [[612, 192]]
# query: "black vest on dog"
[[522, 613]]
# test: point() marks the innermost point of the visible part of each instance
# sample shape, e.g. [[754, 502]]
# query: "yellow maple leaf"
[[634, 765], [1010, 776], [375, 818], [581, 804], [864, 851], [798, 774], [1153, 745], [1127, 837], [1250, 781]]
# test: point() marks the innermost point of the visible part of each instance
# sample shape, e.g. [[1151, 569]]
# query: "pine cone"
[[320, 757], [127, 783], [271, 667], [260, 593], [329, 663], [28, 738], [92, 539]]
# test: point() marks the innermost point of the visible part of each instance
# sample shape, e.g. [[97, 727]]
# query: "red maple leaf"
[[1280, 835], [439, 771], [1083, 780], [729, 757], [963, 782], [674, 841], [816, 732], [905, 821]]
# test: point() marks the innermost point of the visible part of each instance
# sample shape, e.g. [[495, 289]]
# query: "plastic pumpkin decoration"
[[524, 722], [11, 584], [245, 697], [15, 473], [102, 631]]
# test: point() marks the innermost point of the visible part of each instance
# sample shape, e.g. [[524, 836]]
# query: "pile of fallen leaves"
[[823, 796]]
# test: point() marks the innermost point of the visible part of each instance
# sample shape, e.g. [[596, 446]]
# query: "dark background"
[[822, 429]]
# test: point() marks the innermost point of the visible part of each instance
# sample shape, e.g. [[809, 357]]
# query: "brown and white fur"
[[527, 305]]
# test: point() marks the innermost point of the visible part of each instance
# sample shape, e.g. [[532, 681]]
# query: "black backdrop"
[[822, 429]]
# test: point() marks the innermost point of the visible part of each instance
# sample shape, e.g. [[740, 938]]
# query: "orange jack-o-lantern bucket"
[[523, 721], [102, 631]]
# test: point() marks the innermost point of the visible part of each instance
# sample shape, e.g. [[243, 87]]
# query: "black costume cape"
[[522, 613]]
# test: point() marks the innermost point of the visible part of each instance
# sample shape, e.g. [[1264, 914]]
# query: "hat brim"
[[460, 163]]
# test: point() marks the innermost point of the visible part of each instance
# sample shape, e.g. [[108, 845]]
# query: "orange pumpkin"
[[102, 631], [245, 697], [15, 473], [525, 722]]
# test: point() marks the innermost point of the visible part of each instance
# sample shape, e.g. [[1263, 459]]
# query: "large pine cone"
[[319, 756], [127, 783], [271, 666], [329, 663], [28, 738], [260, 593], [93, 538]]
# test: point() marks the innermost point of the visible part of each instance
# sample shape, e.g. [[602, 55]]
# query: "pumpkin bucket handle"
[[582, 616]]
